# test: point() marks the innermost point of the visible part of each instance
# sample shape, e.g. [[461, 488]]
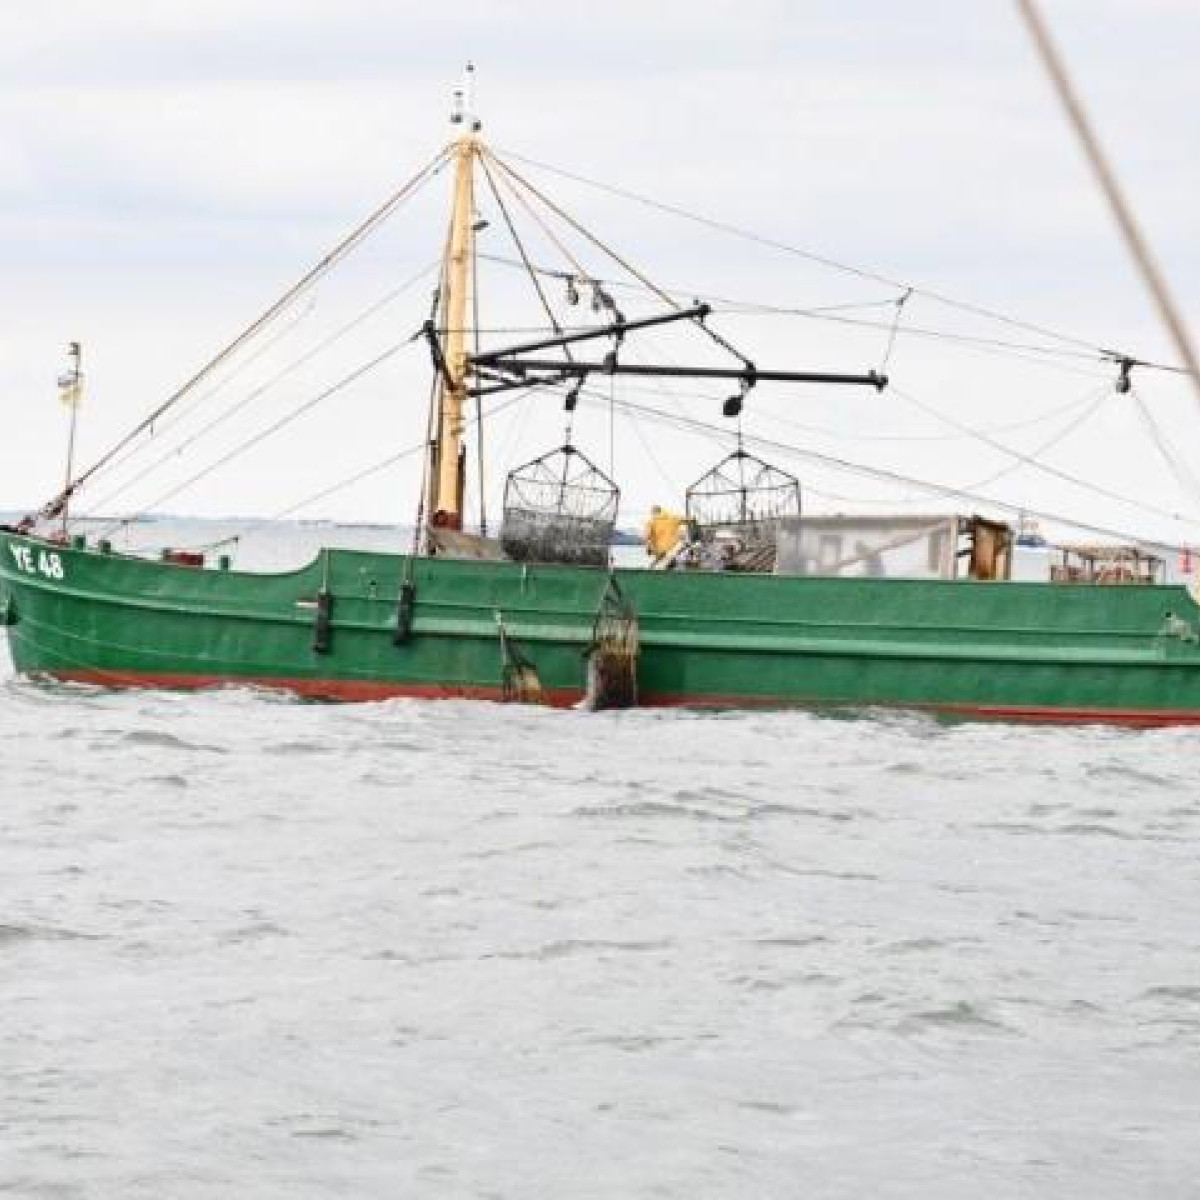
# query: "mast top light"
[[463, 110]]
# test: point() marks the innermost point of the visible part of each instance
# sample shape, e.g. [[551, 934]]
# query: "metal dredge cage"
[[559, 508], [744, 495]]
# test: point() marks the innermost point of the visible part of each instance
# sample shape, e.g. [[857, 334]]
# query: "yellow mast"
[[446, 493]]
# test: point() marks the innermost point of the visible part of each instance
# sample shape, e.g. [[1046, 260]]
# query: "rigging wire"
[[821, 260], [340, 485], [258, 437], [1135, 241], [833, 314], [158, 432], [644, 280], [1057, 360], [343, 248], [612, 426], [1095, 402], [653, 458], [244, 401], [515, 433], [1031, 461], [623, 263], [383, 464], [581, 273], [842, 436], [883, 475], [243, 364], [893, 330], [657, 387], [520, 245], [513, 183], [534, 280], [600, 398], [1178, 467]]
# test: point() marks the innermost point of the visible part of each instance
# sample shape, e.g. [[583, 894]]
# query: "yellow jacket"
[[662, 532]]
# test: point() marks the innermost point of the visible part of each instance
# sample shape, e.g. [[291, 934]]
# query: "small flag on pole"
[[69, 390], [70, 385]]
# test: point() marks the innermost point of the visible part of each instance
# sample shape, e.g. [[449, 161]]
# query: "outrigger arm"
[[504, 370], [522, 368]]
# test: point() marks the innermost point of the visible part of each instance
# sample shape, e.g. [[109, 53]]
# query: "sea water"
[[256, 947]]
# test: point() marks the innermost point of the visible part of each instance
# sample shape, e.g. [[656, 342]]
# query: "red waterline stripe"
[[1144, 717], [363, 689], [317, 689], [1148, 717]]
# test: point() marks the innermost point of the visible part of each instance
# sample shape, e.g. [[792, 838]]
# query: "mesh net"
[[613, 654], [559, 508], [745, 496]]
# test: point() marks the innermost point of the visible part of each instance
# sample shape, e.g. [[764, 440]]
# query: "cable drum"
[[559, 508]]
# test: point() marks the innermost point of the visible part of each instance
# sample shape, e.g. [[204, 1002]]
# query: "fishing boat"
[[737, 610]]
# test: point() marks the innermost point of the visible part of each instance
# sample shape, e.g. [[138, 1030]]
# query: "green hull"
[[1060, 652]]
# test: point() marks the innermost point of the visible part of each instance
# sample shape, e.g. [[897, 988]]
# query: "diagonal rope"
[[1094, 404], [819, 259], [408, 452], [1135, 241], [599, 399], [243, 402], [893, 478], [159, 431], [1184, 475], [520, 245], [580, 271], [835, 314], [623, 263], [346, 246], [840, 435], [273, 428], [604, 249], [1036, 464]]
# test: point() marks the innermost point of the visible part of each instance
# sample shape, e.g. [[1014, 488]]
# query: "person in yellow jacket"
[[662, 531]]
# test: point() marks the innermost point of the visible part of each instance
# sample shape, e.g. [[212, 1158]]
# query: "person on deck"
[[662, 531]]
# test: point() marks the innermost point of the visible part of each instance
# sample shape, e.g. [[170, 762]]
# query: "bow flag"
[[70, 385]]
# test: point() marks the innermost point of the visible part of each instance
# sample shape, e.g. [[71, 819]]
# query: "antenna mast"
[[70, 391]]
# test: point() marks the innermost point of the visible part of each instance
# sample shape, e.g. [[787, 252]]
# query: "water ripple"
[[370, 950]]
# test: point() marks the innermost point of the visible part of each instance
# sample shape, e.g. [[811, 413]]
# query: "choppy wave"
[[459, 949]]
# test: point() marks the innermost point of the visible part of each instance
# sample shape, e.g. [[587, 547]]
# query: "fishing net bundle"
[[559, 508]]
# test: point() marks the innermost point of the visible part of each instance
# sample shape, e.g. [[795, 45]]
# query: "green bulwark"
[[1127, 654]]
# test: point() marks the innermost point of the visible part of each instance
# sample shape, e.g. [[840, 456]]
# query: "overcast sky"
[[166, 168]]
